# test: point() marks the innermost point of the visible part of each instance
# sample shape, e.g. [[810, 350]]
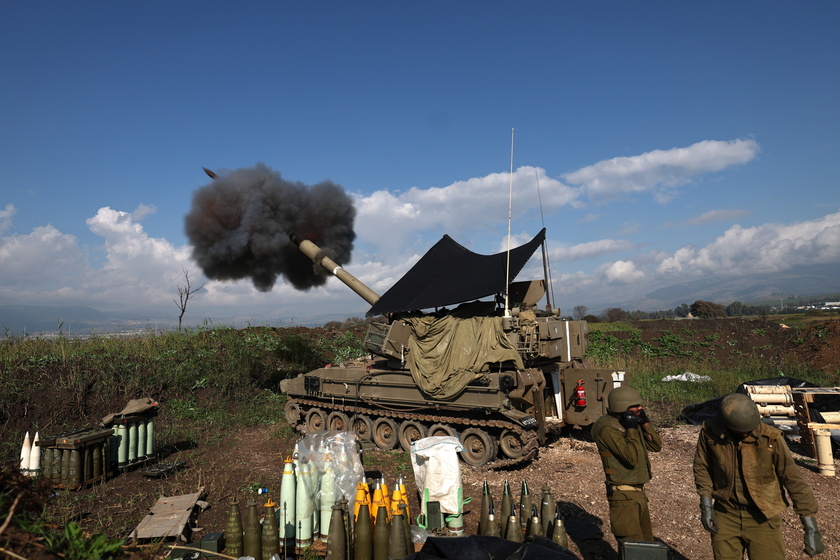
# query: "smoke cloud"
[[239, 225]]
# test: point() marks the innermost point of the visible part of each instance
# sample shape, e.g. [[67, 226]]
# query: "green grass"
[[645, 369], [217, 379]]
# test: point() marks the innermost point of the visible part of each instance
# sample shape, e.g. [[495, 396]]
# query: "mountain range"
[[805, 282]]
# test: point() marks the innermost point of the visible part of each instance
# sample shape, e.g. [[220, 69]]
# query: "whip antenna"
[[546, 262], [510, 205]]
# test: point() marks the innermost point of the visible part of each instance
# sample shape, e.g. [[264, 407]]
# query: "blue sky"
[[670, 141]]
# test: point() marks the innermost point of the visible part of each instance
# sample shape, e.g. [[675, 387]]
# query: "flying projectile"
[[209, 173]]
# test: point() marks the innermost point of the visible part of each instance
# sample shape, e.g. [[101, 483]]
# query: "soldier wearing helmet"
[[624, 436], [741, 466]]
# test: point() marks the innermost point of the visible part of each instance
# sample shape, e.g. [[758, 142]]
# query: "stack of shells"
[[532, 519], [377, 528]]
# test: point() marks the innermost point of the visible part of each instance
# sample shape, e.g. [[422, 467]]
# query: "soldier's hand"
[[643, 417], [707, 514], [628, 420], [813, 538]]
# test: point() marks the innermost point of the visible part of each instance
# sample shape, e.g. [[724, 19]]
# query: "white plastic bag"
[[436, 469]]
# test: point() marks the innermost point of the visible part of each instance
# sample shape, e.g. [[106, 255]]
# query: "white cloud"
[[391, 221], [660, 172], [710, 217], [45, 259], [762, 249], [623, 272], [590, 249], [6, 215], [137, 267]]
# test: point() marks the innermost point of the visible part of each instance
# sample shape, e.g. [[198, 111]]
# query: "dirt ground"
[[234, 464]]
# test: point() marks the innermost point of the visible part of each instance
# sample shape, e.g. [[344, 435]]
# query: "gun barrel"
[[317, 255]]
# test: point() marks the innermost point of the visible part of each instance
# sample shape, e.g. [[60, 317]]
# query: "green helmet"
[[739, 412], [622, 398]]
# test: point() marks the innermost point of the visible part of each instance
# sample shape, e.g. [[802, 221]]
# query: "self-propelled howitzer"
[[499, 380]]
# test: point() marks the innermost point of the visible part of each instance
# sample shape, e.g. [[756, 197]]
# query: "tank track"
[[528, 437]]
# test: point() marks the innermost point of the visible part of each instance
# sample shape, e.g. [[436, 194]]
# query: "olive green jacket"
[[624, 452], [766, 464]]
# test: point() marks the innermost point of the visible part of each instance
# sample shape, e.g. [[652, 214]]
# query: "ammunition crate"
[[77, 458], [643, 550], [134, 440]]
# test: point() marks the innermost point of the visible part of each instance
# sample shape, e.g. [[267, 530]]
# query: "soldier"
[[740, 467], [624, 437]]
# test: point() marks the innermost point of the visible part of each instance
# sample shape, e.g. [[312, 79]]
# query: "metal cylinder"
[[122, 442], [286, 508], [57, 459], [65, 466], [337, 540], [767, 390], [396, 537], [150, 438], [87, 470], [776, 410], [304, 508], [46, 462], [492, 527], [455, 524], [132, 442], [514, 529], [252, 541], [825, 457], [831, 417], [74, 476], [484, 508], [535, 524], [270, 535], [546, 508], [363, 535], [507, 505], [319, 257], [98, 450], [773, 398], [233, 530], [141, 438], [380, 534], [557, 529], [327, 500], [525, 505]]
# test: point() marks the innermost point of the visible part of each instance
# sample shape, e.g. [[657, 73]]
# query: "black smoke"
[[239, 226]]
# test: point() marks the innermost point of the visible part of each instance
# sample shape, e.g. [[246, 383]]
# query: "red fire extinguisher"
[[580, 394]]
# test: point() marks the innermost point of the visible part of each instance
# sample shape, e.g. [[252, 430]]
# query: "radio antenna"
[[510, 206], [549, 293]]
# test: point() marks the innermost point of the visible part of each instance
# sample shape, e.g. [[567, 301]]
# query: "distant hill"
[[68, 319], [804, 281]]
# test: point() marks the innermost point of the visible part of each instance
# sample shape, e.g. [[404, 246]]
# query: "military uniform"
[[744, 473], [624, 454]]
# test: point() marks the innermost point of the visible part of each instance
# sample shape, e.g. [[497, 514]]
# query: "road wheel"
[[363, 426], [338, 421], [479, 447], [411, 431], [442, 430], [293, 413], [316, 420], [385, 433], [511, 444]]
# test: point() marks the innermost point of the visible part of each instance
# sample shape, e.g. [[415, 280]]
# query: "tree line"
[[700, 309]]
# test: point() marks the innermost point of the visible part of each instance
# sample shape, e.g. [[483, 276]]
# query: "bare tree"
[[185, 292], [580, 312]]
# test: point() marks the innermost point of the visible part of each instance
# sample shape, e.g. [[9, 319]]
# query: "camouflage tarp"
[[447, 353]]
